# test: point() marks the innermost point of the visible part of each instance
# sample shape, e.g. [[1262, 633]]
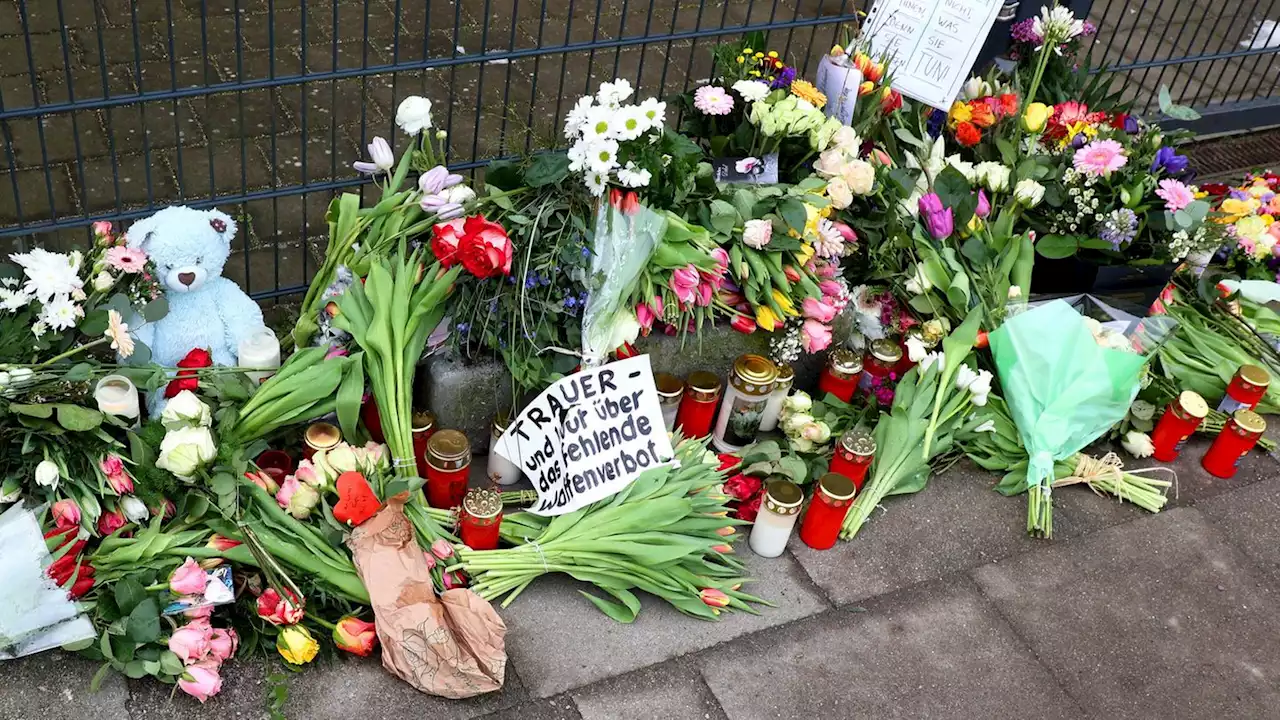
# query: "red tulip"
[[355, 636], [744, 324]]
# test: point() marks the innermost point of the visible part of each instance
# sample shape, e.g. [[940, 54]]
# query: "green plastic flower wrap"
[[1068, 377]]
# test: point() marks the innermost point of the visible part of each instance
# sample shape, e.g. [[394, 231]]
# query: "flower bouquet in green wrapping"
[[1067, 377]]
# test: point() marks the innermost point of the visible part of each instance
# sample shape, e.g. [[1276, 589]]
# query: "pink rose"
[[201, 681], [444, 241], [485, 249], [684, 283], [66, 514], [223, 644], [817, 310], [191, 642], [201, 613], [287, 489], [814, 336], [188, 579]]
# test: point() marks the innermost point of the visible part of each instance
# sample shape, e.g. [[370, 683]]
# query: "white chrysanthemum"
[[596, 183], [578, 156], [634, 177], [61, 313], [631, 123], [613, 93], [751, 90], [577, 116], [600, 123], [13, 300], [602, 155], [655, 112], [49, 274]]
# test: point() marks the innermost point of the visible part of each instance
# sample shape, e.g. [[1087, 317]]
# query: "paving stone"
[[36, 684], [561, 642], [137, 180], [66, 136], [329, 689], [1248, 517], [558, 708], [957, 522], [1196, 485], [939, 651], [1155, 618], [671, 691]]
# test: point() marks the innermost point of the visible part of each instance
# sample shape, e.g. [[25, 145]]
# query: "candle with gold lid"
[[778, 513], [480, 519], [781, 388], [743, 403], [448, 467], [319, 436]]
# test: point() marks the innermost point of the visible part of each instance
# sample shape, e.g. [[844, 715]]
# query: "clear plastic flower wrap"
[[35, 614]]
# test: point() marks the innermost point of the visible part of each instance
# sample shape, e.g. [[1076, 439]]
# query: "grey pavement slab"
[[1249, 518], [1156, 618], [30, 687], [561, 642], [957, 522], [557, 708], [1196, 485], [671, 691], [334, 688], [937, 651]]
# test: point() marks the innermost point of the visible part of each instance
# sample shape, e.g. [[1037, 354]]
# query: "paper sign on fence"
[[930, 44], [589, 435]]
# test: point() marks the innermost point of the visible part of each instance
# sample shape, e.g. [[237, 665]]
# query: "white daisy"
[[578, 156], [602, 155], [576, 117], [631, 123], [60, 313], [614, 93], [600, 124], [13, 300], [634, 177], [751, 90], [596, 183], [655, 112]]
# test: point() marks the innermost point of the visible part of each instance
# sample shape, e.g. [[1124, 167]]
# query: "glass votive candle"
[[448, 468], [481, 519]]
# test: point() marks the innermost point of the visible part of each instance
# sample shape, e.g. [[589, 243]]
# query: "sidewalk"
[[943, 608]]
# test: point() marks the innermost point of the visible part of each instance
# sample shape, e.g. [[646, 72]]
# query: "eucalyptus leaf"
[[77, 418], [155, 310]]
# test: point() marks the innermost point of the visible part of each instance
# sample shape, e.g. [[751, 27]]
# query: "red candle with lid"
[[424, 426], [448, 467], [841, 375], [1246, 389], [481, 518], [372, 420], [853, 456], [1179, 421], [699, 403], [830, 503], [881, 360], [1239, 434]]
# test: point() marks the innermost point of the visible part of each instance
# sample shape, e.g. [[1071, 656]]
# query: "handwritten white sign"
[[931, 44], [589, 435]]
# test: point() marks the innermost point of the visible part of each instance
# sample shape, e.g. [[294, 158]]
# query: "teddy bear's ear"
[[140, 233], [223, 225]]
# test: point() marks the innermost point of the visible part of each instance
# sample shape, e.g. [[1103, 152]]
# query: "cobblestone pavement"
[[942, 608]]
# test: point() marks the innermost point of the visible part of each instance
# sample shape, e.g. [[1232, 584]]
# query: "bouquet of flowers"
[[1247, 212]]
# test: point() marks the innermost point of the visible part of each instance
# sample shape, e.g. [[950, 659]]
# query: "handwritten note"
[[931, 44]]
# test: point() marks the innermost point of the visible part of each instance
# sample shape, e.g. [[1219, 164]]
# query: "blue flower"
[[934, 124], [1170, 161], [570, 301], [586, 251]]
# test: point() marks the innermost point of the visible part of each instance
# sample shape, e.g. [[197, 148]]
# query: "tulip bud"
[[714, 598], [353, 635]]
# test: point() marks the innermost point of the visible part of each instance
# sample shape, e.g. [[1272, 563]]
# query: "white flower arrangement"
[[604, 131]]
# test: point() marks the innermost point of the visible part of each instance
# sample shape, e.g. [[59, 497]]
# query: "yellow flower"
[[805, 253], [759, 55], [836, 51], [1268, 219], [755, 73], [1251, 227], [765, 319], [773, 53], [746, 51], [866, 88], [1035, 116], [805, 90], [741, 59], [960, 112], [295, 644], [1235, 209], [811, 217], [784, 302]]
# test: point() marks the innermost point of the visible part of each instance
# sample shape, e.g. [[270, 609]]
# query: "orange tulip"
[[714, 598], [355, 636]]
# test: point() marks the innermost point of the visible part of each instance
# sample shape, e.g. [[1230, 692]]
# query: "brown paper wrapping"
[[453, 645]]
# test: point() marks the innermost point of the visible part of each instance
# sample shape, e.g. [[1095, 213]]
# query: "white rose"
[[184, 451], [795, 423], [839, 192], [757, 233], [965, 167], [103, 281], [816, 432], [185, 410], [798, 402], [47, 474], [414, 114], [1137, 444], [846, 140], [460, 194], [342, 458], [916, 349], [831, 163], [860, 176], [134, 509], [994, 175], [1028, 193]]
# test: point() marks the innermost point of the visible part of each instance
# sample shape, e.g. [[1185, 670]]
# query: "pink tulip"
[[112, 465], [191, 642], [454, 580], [442, 549], [188, 579], [431, 559], [684, 283], [845, 231], [706, 291], [223, 644], [817, 310], [66, 514], [657, 306], [201, 681], [814, 336], [110, 521], [830, 288], [722, 260], [122, 484], [645, 317]]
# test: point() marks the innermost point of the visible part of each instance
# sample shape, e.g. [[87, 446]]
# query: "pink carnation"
[[1100, 157]]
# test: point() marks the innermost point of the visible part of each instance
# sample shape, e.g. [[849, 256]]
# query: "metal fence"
[[111, 109]]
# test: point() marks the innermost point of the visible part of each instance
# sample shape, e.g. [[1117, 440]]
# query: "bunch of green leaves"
[[307, 386], [767, 461], [132, 630]]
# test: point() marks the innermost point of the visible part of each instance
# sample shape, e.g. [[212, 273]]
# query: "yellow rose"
[[295, 644], [959, 113], [784, 302], [1035, 117], [765, 319], [1235, 209]]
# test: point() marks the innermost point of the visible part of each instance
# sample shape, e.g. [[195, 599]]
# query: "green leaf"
[[952, 188], [395, 487], [79, 645], [502, 174], [907, 137], [1056, 247], [42, 411], [926, 304], [143, 625], [616, 611], [155, 310], [793, 214], [795, 468], [139, 451], [99, 676], [77, 418], [135, 669], [976, 250], [547, 169], [129, 594], [350, 394], [94, 323], [170, 663], [79, 372], [724, 217]]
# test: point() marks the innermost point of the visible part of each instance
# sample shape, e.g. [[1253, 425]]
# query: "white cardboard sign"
[[931, 44], [589, 435]]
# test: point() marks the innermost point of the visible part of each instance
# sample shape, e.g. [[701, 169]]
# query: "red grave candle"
[[698, 406], [1246, 389], [372, 420], [480, 519], [424, 426], [1238, 436], [831, 501], [840, 376], [1180, 419], [853, 456], [448, 468], [881, 360]]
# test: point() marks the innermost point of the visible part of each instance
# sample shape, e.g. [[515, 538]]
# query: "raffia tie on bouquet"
[[1107, 475]]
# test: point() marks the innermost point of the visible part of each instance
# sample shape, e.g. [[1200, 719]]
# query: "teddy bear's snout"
[[186, 278]]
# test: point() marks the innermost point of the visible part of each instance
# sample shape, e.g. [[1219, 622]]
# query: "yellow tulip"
[[784, 302], [960, 112], [805, 253], [295, 644], [1035, 117], [1235, 209], [765, 319]]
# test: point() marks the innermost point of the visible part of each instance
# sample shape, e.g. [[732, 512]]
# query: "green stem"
[[73, 351]]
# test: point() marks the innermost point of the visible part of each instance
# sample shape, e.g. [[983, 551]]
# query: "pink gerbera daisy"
[[126, 259], [1100, 157], [1175, 194], [713, 100]]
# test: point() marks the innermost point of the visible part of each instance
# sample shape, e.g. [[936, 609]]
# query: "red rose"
[[968, 134], [1215, 189], [744, 324], [485, 249], [1008, 105], [748, 510], [197, 358], [445, 237], [729, 461], [742, 487]]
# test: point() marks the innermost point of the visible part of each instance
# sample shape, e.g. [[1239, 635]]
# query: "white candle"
[[116, 395], [260, 350], [501, 470], [778, 514]]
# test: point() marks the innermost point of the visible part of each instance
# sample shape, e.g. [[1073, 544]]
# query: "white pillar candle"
[[116, 395], [501, 470], [778, 514], [260, 350]]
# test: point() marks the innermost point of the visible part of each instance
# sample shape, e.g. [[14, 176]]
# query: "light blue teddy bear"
[[189, 248]]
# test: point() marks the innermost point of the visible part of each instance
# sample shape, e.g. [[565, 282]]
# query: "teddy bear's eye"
[[198, 260]]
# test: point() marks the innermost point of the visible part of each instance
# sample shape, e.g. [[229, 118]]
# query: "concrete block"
[[556, 708], [56, 685], [1155, 618], [1248, 517], [671, 691], [939, 651]]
